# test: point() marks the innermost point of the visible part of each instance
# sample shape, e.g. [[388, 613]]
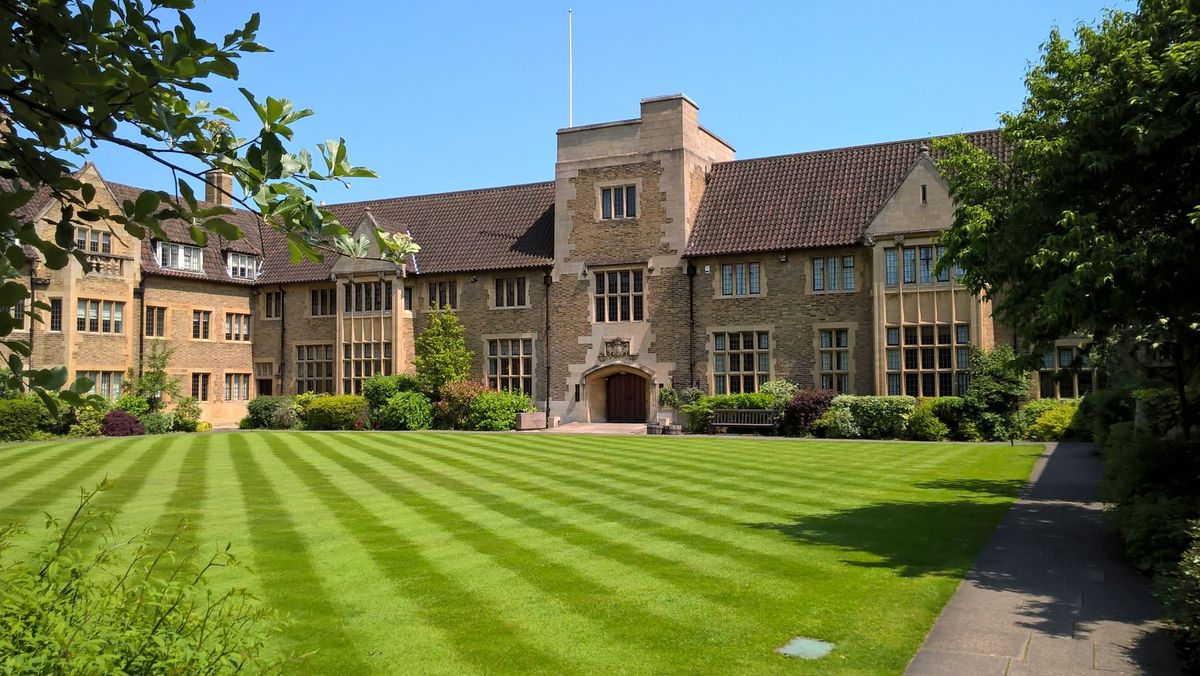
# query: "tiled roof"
[[813, 199], [472, 230]]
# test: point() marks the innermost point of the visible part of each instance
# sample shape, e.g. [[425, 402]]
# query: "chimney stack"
[[218, 187]]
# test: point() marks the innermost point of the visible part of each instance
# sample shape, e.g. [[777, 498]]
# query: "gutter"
[[282, 333], [140, 294]]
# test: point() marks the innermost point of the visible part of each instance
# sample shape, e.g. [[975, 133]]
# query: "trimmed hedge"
[[405, 411], [924, 425], [338, 412], [497, 411], [1056, 423], [121, 424], [19, 419], [879, 417], [378, 389]]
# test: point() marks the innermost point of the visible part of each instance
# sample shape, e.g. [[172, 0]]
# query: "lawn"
[[471, 553]]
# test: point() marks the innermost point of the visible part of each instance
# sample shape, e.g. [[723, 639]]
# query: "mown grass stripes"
[[471, 553]]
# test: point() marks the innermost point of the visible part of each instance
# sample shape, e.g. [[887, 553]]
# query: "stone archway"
[[619, 392]]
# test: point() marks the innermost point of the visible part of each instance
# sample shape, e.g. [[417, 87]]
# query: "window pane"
[[606, 203], [755, 282], [818, 274], [890, 278], [631, 201], [618, 203], [893, 336], [727, 279]]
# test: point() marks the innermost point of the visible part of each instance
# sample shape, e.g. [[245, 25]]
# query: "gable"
[[907, 210]]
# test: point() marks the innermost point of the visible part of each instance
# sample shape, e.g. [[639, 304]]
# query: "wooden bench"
[[752, 418]]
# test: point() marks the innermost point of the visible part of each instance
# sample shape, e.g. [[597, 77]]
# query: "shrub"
[[700, 411], [804, 408], [158, 423], [441, 352], [261, 410], [998, 385], [87, 421], [924, 425], [405, 411], [497, 411], [1156, 411], [453, 411], [132, 403], [1182, 594], [1055, 423], [782, 390], [19, 418], [286, 418], [837, 422], [121, 424], [163, 617], [378, 389], [338, 412], [186, 415], [204, 426], [878, 417], [1102, 409], [245, 424], [953, 413], [1027, 415], [51, 422]]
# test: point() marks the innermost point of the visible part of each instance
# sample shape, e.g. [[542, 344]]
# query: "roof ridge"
[[446, 193], [856, 147]]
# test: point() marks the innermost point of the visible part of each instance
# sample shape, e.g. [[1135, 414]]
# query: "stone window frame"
[[161, 325], [251, 263], [331, 301], [212, 312], [100, 316], [851, 328], [384, 295], [227, 324], [158, 255], [266, 305], [491, 291], [1052, 373], [710, 348], [717, 270], [297, 363], [598, 186], [644, 293], [485, 341], [208, 385], [426, 303], [103, 239], [953, 347], [115, 382], [244, 392], [50, 322], [810, 268]]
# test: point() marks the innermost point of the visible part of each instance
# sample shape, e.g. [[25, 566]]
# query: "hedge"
[[378, 389], [338, 412], [497, 411], [19, 419], [879, 417], [404, 411], [700, 412], [453, 411], [261, 411], [804, 409]]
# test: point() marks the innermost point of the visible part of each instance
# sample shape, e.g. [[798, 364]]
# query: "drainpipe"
[[32, 300], [140, 294], [282, 331], [691, 274], [547, 279]]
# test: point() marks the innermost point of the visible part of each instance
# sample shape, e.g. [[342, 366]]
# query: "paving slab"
[[1050, 595]]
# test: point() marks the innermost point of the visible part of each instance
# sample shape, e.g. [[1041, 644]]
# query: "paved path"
[[594, 428], [1050, 594]]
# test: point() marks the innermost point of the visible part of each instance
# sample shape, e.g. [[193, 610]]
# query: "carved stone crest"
[[616, 348]]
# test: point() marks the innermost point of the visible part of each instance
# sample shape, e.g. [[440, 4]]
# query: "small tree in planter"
[[673, 400], [441, 352]]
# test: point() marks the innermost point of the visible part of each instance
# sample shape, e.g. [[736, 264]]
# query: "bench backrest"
[[743, 416]]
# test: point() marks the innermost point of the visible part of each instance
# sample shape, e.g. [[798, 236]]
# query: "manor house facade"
[[653, 259]]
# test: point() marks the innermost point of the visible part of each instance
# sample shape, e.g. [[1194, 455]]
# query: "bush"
[[245, 424], [1027, 415], [837, 422], [132, 403], [338, 412], [378, 389], [997, 386], [441, 352], [878, 417], [803, 409], [1102, 409], [676, 398], [51, 423], [286, 418], [953, 413], [261, 411], [19, 419], [700, 411], [453, 411], [782, 390], [121, 424], [186, 415], [1182, 594], [163, 617], [158, 423], [404, 411], [1055, 423], [924, 425], [497, 411], [203, 426], [87, 421]]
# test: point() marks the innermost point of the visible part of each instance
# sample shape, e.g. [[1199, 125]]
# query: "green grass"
[[459, 553]]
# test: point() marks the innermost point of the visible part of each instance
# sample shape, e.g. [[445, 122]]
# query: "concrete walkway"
[[1050, 594], [594, 428]]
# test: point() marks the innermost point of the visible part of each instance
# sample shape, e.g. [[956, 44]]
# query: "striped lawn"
[[476, 553]]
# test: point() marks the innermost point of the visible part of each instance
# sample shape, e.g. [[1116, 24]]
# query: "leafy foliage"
[[1055, 423], [158, 422], [87, 420], [260, 412], [186, 414], [404, 411], [878, 417], [441, 352], [378, 389], [132, 403], [121, 606], [1181, 590], [837, 422], [998, 384], [497, 411], [782, 390], [803, 409], [924, 425], [121, 424], [154, 384], [1091, 226], [453, 410], [955, 415], [338, 412], [676, 398], [700, 411], [19, 419]]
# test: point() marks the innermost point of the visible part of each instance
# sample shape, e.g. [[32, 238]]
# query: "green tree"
[[997, 384], [1092, 224], [154, 384], [441, 351], [78, 75]]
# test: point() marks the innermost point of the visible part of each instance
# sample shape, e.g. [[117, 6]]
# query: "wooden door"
[[626, 398]]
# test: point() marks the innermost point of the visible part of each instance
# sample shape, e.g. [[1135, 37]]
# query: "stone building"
[[653, 259]]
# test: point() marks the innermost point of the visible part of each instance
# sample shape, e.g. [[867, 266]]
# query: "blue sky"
[[445, 96]]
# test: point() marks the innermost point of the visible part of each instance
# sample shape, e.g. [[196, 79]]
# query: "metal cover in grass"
[[805, 648]]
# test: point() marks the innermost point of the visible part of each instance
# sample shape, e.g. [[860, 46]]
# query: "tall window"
[[834, 356], [200, 386], [107, 384], [910, 265], [56, 314], [618, 202], [237, 326], [833, 273], [323, 302], [363, 360], [408, 298], [273, 304], [928, 360], [314, 368], [243, 266], [93, 240], [741, 279], [367, 297], [100, 316], [618, 296], [510, 364], [156, 321], [944, 275], [1065, 373], [200, 322], [180, 257], [237, 386], [741, 361], [926, 255], [890, 264], [443, 295], [17, 312], [510, 292]]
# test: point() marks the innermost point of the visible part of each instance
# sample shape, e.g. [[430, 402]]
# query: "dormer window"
[[618, 202], [243, 266], [180, 257], [93, 241]]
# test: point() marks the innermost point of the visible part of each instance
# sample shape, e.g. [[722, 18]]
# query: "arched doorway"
[[625, 397]]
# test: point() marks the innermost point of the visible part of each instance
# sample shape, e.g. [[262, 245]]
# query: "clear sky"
[[439, 96]]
